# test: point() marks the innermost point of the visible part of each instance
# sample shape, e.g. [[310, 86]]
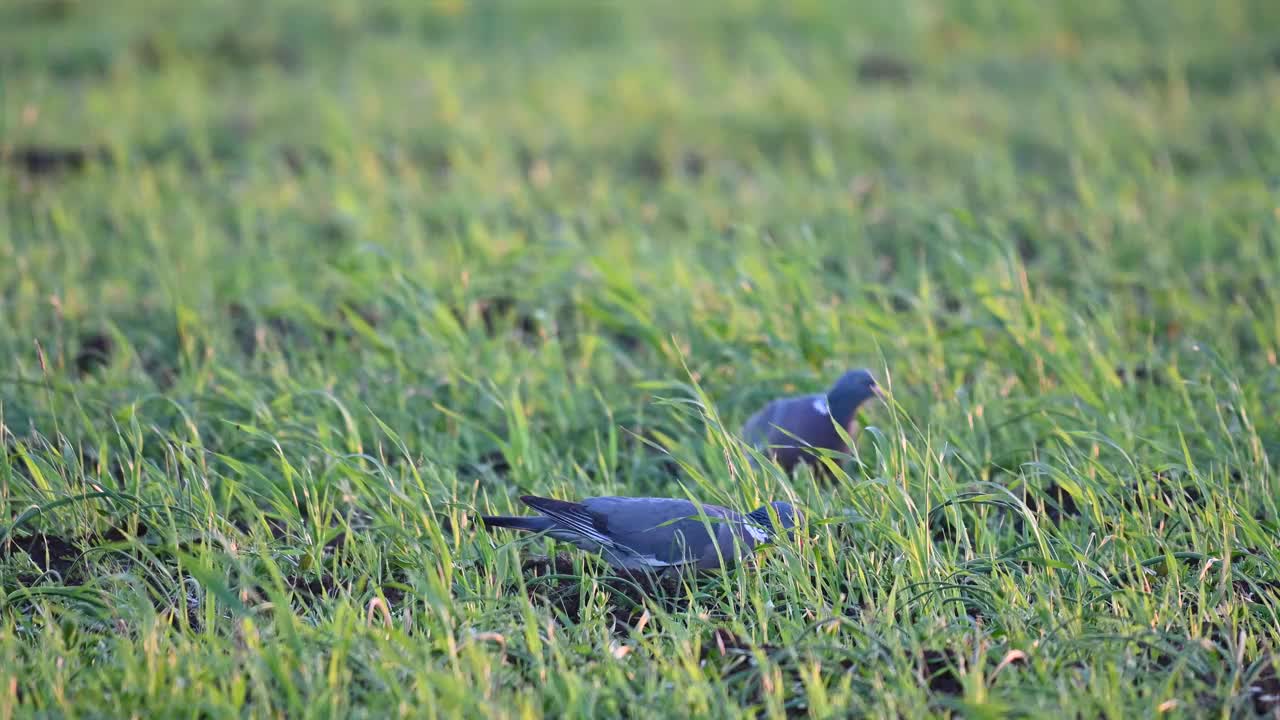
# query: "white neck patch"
[[820, 405], [757, 534]]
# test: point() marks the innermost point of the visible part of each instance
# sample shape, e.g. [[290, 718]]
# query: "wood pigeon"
[[652, 534], [792, 429]]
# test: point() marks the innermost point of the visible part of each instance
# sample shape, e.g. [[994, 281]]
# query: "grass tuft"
[[291, 295]]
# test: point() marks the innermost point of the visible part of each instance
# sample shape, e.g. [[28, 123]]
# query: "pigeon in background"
[[792, 429], [652, 534]]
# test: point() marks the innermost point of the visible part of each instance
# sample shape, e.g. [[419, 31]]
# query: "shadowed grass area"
[[290, 293]]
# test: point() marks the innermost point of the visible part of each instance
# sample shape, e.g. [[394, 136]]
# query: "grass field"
[[291, 292]]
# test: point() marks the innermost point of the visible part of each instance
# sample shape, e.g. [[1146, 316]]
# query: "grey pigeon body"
[[651, 534], [792, 430]]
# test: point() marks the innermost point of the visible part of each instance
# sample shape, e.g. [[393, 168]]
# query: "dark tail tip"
[[516, 522]]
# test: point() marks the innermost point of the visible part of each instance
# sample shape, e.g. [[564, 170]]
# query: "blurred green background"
[[290, 290]]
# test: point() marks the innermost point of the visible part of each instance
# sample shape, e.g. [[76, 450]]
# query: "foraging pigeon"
[[652, 534], [792, 429]]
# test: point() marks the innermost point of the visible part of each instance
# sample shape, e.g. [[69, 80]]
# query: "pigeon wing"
[[664, 531], [798, 421], [572, 516], [788, 427]]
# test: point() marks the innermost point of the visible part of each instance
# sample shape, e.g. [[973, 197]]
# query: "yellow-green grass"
[[291, 292]]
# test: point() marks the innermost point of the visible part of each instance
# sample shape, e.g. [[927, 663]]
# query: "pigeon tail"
[[531, 523], [551, 506]]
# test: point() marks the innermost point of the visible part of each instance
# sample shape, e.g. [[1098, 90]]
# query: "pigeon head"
[[849, 392], [787, 516]]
